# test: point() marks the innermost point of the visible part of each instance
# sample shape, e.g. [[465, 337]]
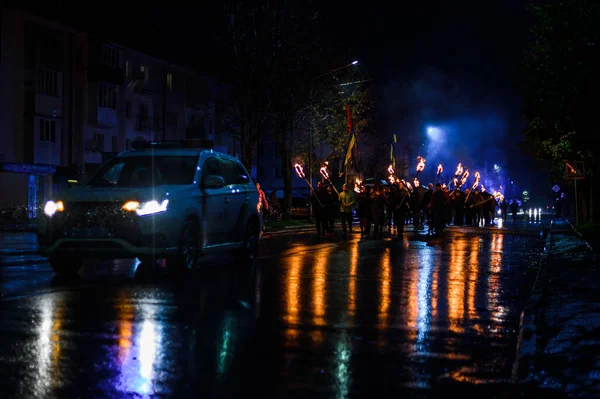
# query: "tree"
[[330, 117], [561, 86], [560, 80], [251, 34]]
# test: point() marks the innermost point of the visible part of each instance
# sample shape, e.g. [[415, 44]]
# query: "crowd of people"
[[387, 209], [382, 208]]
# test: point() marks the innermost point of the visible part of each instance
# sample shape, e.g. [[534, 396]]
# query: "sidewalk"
[[559, 343]]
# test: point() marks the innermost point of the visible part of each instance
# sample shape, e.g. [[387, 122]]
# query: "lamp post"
[[310, 131]]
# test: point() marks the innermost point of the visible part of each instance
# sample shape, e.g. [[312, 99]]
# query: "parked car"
[[162, 200]]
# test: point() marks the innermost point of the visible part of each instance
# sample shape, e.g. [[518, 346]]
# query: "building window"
[[115, 144], [144, 71], [107, 97], [128, 109], [127, 69], [47, 82], [170, 81], [110, 56], [99, 142], [47, 131]]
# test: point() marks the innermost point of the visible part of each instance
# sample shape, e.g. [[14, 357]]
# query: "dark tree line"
[[561, 82]]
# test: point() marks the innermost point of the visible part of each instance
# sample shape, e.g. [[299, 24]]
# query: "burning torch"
[[325, 175], [475, 184], [392, 174], [300, 173], [458, 173], [440, 169], [358, 187], [420, 166]]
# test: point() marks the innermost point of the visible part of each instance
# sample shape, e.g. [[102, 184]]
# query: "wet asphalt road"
[[416, 317]]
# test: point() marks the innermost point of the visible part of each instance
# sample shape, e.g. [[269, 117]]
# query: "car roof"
[[174, 153]]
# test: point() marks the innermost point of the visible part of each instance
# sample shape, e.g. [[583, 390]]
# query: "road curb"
[[524, 364]]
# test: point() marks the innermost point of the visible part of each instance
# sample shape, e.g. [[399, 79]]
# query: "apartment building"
[[70, 101], [36, 97]]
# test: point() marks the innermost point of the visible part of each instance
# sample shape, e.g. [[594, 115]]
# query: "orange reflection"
[[456, 285], [352, 280], [292, 294], [320, 284], [435, 292], [473, 278], [385, 275], [412, 302], [497, 312], [125, 315]]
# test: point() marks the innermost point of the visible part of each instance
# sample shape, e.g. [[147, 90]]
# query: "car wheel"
[[251, 238], [188, 250], [66, 267]]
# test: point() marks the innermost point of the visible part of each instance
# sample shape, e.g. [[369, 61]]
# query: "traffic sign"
[[556, 188], [574, 170]]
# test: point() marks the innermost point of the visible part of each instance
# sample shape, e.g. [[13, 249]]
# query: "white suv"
[[160, 201]]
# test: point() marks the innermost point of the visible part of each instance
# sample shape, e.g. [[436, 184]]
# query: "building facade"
[[70, 101]]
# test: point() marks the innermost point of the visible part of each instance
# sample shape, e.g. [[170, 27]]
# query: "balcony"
[[105, 73]]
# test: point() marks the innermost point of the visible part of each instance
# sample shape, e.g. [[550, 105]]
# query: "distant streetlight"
[[310, 139]]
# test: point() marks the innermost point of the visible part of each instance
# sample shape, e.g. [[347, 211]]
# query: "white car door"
[[237, 185], [215, 204]]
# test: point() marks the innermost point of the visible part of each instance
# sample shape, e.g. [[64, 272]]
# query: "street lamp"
[[310, 132]]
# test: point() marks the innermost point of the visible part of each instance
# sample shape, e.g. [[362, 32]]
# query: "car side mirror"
[[213, 181]]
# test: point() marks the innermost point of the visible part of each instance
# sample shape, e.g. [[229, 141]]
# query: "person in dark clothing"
[[438, 206], [468, 202], [332, 208], [399, 202], [458, 199], [426, 208], [504, 210], [514, 208], [320, 200], [365, 213], [378, 204]]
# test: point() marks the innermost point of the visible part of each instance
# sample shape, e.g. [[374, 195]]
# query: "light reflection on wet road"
[[335, 319]]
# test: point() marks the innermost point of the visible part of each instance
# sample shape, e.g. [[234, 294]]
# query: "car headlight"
[[52, 207], [146, 208]]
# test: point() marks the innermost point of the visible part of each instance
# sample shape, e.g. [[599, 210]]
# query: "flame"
[[498, 195], [463, 180], [443, 185], [455, 181], [416, 182], [392, 179], [299, 170], [358, 185], [421, 164], [477, 177], [408, 185], [324, 173], [391, 169], [459, 169], [482, 189], [440, 169]]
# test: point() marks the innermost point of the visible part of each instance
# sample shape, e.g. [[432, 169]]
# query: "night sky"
[[451, 65]]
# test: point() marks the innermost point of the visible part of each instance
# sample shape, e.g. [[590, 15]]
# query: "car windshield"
[[146, 171]]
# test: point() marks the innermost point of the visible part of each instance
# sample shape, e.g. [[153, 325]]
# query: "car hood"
[[121, 194]]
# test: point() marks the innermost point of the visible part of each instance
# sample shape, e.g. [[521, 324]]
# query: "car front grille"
[[93, 214]]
